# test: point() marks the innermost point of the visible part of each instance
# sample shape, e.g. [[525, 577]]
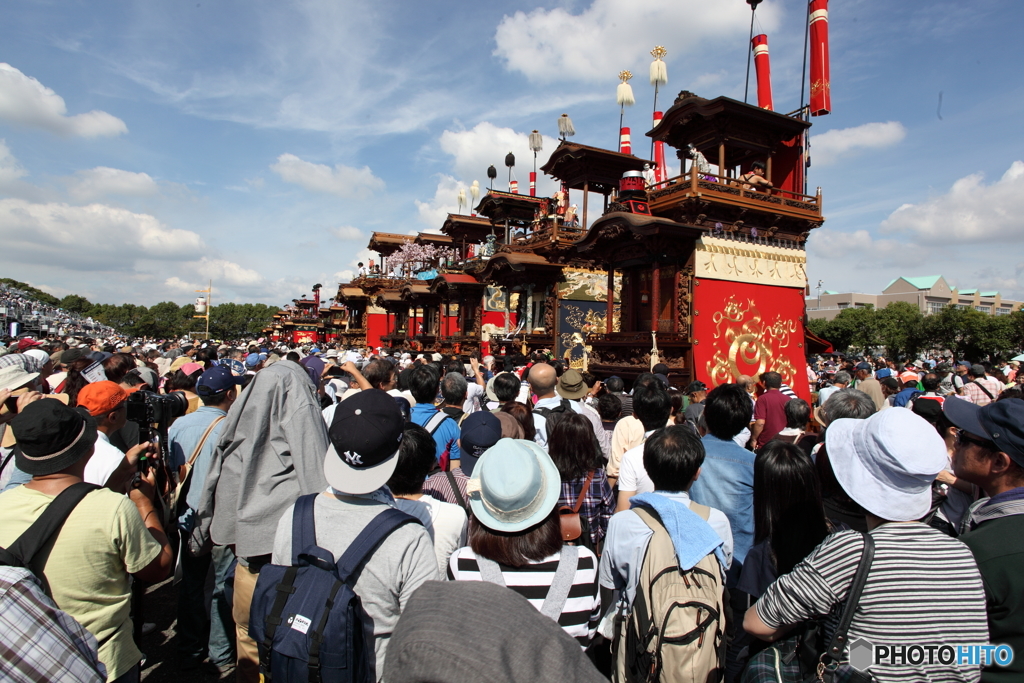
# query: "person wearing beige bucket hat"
[[515, 538], [918, 576]]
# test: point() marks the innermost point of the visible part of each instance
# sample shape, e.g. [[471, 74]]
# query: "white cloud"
[[103, 182], [830, 145], [859, 249], [10, 169], [970, 212], [346, 232], [344, 181], [485, 144], [434, 212], [26, 101], [550, 45], [92, 237], [223, 273]]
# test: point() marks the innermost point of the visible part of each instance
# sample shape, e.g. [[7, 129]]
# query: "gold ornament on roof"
[[659, 52], [625, 75]]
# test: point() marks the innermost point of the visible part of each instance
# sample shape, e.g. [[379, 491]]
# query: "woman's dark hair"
[[676, 397], [830, 486], [133, 378], [416, 457], [403, 379], [506, 387], [672, 457], [1012, 392], [788, 510], [525, 417], [609, 407], [423, 383], [456, 367], [519, 548], [797, 413], [207, 356], [118, 365], [179, 381], [75, 382], [573, 446], [293, 356], [727, 410], [378, 373]]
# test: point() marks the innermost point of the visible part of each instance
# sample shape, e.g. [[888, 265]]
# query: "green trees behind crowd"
[[165, 320], [904, 332]]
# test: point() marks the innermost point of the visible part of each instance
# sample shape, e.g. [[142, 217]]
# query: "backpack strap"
[[703, 510], [435, 422], [379, 528], [490, 571], [24, 549], [583, 491], [303, 525], [455, 489], [838, 643], [561, 584], [982, 387]]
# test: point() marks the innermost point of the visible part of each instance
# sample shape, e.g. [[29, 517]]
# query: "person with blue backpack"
[[345, 561]]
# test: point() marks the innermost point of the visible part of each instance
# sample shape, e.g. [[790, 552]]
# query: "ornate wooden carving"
[[684, 301], [551, 310]]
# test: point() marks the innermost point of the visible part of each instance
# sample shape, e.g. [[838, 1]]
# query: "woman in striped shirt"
[[923, 587], [515, 538]]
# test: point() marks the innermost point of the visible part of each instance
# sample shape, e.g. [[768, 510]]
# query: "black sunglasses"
[[963, 438]]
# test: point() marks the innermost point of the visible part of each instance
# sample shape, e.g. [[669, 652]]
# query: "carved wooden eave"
[[749, 131], [618, 237], [510, 269], [387, 243], [417, 293], [516, 209], [598, 169], [472, 229], [456, 285]]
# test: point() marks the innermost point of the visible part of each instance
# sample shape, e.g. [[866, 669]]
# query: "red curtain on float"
[[821, 90], [747, 329], [759, 44]]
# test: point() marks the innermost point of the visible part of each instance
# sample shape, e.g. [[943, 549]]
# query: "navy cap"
[[1001, 422], [863, 365], [480, 431], [695, 386], [216, 380]]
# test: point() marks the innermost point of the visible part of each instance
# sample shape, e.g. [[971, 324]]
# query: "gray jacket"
[[270, 451]]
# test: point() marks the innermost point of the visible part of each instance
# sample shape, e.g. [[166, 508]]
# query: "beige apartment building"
[[929, 293]]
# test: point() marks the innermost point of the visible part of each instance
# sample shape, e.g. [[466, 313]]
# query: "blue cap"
[[884, 372], [216, 380], [1001, 422], [252, 360]]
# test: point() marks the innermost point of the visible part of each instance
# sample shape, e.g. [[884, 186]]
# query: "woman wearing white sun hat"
[[923, 587], [515, 538]]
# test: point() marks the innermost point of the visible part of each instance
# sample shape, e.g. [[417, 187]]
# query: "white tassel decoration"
[[565, 128], [536, 142], [624, 95], [659, 72], [462, 199], [474, 190]]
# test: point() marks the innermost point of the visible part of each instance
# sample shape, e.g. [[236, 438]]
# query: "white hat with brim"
[[515, 485], [357, 482], [14, 377], [887, 463], [489, 389]]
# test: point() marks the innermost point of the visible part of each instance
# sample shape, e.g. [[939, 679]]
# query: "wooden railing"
[[734, 187]]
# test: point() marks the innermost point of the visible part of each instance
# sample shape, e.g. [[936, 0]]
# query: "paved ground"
[[158, 646]]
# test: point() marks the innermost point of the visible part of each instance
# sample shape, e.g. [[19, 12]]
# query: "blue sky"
[[147, 147]]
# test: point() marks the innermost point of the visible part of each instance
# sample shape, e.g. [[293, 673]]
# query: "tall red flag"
[[821, 90], [764, 71], [660, 170]]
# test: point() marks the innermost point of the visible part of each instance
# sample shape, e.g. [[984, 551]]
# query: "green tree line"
[[164, 320], [904, 332]]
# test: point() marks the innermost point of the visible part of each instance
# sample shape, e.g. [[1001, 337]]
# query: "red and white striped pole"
[[821, 81], [763, 68], [625, 145], [533, 183], [660, 171], [513, 186]]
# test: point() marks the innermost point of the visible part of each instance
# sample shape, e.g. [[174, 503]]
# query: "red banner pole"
[[660, 171], [533, 183], [763, 68], [821, 90]]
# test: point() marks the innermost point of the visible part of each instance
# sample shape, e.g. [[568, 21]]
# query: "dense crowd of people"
[[31, 314], [338, 514]]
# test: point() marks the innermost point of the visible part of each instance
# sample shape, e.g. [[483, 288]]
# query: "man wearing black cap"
[[696, 392], [990, 453], [107, 537], [365, 434]]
